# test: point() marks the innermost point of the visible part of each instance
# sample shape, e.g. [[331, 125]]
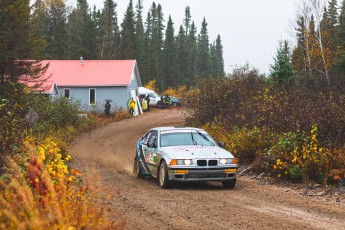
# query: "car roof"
[[176, 128]]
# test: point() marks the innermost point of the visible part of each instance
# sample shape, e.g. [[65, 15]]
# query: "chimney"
[[81, 60]]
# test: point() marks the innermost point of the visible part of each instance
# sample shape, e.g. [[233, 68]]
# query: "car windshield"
[[186, 138]]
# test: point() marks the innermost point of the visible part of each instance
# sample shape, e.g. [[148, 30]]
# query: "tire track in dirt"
[[110, 151]]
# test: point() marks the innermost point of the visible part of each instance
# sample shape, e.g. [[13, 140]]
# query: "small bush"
[[301, 158], [44, 194], [296, 173], [243, 143]]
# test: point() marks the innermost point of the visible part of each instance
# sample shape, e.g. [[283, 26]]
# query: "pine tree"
[[190, 49], [108, 32], [139, 34], [39, 27], [168, 56], [56, 30], [203, 51], [148, 54], [341, 28], [213, 60], [191, 44], [281, 71], [329, 27], [333, 13], [157, 43], [187, 20], [219, 65], [18, 43], [81, 33], [341, 39], [128, 34], [95, 17], [301, 60], [181, 57]]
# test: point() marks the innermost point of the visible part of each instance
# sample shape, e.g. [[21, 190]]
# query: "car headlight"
[[181, 162], [185, 162], [226, 161]]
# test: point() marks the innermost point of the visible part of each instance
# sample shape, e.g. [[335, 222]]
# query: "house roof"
[[91, 72], [45, 87]]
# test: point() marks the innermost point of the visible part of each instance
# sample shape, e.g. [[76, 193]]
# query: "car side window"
[[146, 137], [152, 141]]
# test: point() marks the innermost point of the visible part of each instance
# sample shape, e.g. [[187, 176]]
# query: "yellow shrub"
[[46, 195], [151, 85]]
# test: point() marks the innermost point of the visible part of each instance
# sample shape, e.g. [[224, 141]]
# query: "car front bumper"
[[205, 174]]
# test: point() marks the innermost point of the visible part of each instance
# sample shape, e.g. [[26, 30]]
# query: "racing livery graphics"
[[183, 154]]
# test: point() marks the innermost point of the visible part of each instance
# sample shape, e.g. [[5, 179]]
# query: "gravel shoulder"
[[253, 204]]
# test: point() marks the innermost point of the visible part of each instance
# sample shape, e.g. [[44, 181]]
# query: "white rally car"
[[183, 154]]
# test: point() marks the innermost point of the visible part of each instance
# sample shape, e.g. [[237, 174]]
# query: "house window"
[[92, 96], [67, 93]]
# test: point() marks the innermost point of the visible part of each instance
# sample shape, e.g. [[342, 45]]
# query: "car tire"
[[163, 176], [229, 183], [137, 169]]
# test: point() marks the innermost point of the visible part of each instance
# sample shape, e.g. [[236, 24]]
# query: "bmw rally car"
[[183, 154]]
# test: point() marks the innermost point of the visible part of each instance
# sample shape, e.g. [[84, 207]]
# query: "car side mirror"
[[221, 144], [152, 145]]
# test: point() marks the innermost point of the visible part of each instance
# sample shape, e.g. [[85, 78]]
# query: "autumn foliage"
[[287, 131], [43, 192], [38, 187]]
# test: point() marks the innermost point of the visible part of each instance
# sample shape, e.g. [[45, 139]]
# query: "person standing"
[[144, 104], [148, 102], [107, 107], [167, 100], [131, 105]]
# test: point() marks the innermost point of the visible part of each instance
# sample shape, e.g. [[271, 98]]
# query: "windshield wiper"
[[194, 142], [204, 137]]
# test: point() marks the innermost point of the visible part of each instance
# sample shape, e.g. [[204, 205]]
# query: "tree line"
[[52, 30], [318, 57]]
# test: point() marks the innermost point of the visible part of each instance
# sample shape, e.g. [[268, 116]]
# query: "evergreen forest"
[[58, 32]]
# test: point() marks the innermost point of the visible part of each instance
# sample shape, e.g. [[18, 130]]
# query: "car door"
[[150, 152]]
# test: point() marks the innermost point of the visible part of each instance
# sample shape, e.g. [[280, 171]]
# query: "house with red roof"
[[48, 88], [93, 82]]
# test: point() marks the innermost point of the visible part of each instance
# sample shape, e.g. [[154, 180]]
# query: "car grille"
[[207, 162]]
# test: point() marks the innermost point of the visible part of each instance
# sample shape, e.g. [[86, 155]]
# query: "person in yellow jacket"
[[144, 104], [131, 105]]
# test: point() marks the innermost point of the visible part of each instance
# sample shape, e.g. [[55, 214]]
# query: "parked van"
[[154, 97]]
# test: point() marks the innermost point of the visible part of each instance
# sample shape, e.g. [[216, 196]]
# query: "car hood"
[[196, 152]]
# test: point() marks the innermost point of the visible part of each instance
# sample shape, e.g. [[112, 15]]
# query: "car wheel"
[[229, 183], [137, 169], [163, 175]]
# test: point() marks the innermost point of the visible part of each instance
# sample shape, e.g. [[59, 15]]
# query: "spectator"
[[131, 105], [107, 107], [148, 102]]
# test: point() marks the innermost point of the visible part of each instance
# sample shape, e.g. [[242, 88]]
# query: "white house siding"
[[134, 82], [118, 94]]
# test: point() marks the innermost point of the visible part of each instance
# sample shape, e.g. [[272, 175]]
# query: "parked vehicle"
[[174, 101], [154, 97], [183, 154]]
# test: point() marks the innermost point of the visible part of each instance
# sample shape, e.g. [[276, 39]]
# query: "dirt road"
[[110, 152]]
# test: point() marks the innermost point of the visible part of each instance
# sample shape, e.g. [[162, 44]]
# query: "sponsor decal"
[[181, 171], [198, 148], [152, 157]]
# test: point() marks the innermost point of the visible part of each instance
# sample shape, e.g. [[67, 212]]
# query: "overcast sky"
[[249, 29]]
